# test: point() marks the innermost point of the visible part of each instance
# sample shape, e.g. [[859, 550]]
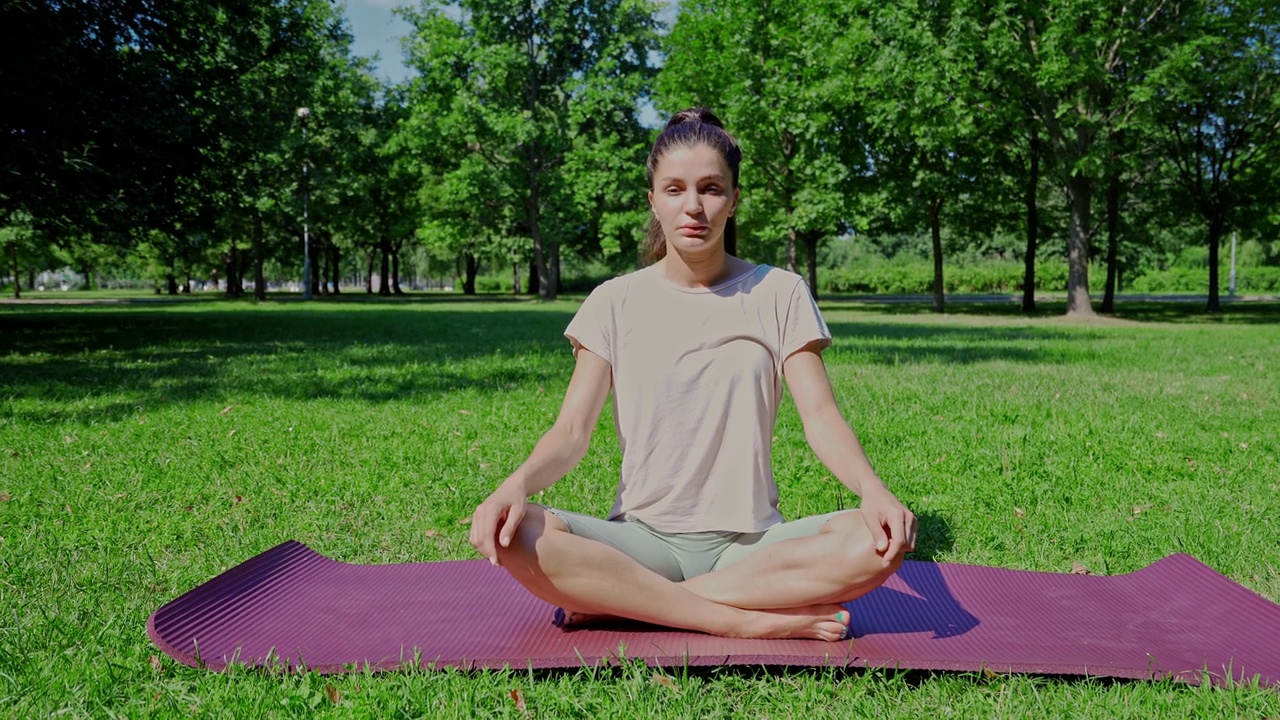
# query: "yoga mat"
[[294, 608]]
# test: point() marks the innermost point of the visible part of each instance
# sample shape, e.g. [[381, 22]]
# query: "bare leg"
[[584, 576], [835, 566]]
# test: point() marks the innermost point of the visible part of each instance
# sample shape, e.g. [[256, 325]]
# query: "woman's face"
[[693, 197]]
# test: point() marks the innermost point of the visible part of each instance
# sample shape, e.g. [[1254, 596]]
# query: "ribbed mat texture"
[[292, 607]]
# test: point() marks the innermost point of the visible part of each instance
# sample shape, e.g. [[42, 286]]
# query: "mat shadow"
[[933, 608]]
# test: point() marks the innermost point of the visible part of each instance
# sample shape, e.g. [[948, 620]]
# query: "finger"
[[896, 536], [877, 534], [483, 529], [514, 516], [912, 531]]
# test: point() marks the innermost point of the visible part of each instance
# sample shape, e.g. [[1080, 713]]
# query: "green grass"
[[145, 448]]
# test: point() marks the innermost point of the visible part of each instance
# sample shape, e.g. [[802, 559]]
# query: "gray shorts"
[[680, 556]]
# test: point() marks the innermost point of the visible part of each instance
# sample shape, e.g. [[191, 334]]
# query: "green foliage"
[[777, 75], [523, 124], [992, 277]]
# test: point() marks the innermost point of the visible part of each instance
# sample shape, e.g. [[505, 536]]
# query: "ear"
[[734, 209], [651, 207]]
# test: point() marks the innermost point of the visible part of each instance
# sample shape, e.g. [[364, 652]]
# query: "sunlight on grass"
[[144, 449]]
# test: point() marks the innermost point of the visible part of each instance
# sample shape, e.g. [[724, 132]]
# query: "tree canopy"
[[204, 142]]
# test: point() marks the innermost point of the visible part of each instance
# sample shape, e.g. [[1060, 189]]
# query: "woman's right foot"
[[816, 622]]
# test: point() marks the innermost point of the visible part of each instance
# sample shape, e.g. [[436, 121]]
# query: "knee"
[[523, 547], [853, 552]]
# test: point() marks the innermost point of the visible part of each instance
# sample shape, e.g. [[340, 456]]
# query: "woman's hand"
[[495, 520], [893, 526]]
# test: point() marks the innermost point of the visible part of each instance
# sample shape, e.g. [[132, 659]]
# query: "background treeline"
[[918, 146]]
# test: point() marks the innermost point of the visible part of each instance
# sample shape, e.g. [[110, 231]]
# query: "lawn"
[[144, 448]]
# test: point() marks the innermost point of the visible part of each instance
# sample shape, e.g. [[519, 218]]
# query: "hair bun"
[[698, 115]]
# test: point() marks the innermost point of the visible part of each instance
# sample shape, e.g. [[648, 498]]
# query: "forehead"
[[691, 162]]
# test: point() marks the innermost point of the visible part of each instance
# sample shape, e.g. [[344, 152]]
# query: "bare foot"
[[569, 620], [816, 622]]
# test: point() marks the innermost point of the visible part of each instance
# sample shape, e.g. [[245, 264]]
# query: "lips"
[[693, 228]]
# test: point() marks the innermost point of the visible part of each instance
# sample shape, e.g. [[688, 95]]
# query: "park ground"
[[146, 447]]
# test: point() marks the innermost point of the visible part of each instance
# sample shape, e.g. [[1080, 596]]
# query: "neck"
[[700, 270]]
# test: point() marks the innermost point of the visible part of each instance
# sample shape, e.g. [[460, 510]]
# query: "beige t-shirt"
[[697, 378]]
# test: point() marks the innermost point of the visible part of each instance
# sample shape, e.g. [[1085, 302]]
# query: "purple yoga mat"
[[293, 607]]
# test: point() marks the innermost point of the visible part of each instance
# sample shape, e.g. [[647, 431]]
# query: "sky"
[[377, 31]]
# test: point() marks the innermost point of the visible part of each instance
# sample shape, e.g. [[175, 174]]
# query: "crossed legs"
[[792, 588]]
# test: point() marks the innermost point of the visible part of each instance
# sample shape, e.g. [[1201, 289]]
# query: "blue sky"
[[377, 31]]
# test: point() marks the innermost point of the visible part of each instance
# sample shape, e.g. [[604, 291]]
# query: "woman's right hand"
[[495, 521]]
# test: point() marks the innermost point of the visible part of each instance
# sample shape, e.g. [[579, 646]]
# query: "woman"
[[694, 347]]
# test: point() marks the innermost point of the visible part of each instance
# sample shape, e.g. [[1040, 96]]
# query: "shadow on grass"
[[891, 344], [152, 356], [372, 352]]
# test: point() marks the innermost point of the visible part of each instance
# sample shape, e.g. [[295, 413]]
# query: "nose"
[[692, 202]]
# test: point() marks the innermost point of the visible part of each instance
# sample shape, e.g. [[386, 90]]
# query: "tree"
[[507, 79], [1216, 109], [923, 109], [1084, 63], [776, 73]]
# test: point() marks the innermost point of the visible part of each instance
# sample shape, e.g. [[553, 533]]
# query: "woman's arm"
[[836, 445], [559, 450]]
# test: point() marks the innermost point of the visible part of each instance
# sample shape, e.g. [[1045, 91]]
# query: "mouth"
[[693, 229]]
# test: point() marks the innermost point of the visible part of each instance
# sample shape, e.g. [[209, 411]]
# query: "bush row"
[[917, 278], [1007, 277]]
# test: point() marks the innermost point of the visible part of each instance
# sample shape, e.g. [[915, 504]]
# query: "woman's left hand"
[[893, 526]]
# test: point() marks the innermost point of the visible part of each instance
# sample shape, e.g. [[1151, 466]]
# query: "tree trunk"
[[231, 270], [1033, 224], [1080, 192], [788, 200], [542, 256], [791, 247], [469, 275], [322, 259], [17, 271], [170, 283], [555, 267], [368, 272], [335, 268], [259, 258], [395, 267], [1217, 227], [935, 233], [87, 273], [534, 278], [515, 277], [384, 266], [811, 239], [1113, 241], [315, 266]]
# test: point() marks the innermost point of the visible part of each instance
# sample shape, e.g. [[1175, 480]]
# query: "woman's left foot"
[[569, 620]]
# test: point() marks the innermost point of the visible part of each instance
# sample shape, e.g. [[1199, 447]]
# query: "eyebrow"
[[714, 176]]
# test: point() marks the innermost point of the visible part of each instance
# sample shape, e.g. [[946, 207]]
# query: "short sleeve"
[[592, 326], [803, 323]]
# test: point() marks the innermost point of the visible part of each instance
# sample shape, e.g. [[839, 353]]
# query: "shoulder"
[[777, 281]]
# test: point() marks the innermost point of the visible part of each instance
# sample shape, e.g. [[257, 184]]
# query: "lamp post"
[[303, 114]]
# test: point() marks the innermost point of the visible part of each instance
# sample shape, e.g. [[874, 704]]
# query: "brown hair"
[[688, 128]]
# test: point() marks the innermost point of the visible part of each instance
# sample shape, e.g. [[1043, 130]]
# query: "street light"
[[303, 114]]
